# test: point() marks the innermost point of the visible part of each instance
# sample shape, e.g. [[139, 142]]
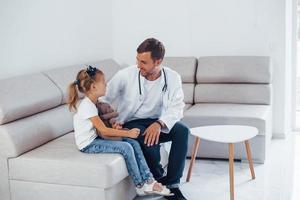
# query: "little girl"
[[90, 132]]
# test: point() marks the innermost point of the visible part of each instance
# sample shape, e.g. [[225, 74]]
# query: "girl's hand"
[[117, 126], [134, 133]]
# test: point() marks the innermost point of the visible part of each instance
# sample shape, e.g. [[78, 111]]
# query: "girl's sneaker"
[[140, 191], [149, 188]]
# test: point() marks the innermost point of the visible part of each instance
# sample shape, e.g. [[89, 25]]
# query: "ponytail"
[[83, 82], [73, 96]]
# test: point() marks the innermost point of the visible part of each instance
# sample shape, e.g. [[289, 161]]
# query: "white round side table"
[[229, 134]]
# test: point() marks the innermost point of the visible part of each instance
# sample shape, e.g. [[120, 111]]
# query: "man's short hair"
[[154, 46]]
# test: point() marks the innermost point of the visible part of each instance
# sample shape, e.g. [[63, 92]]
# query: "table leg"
[[249, 157], [231, 170], [196, 146]]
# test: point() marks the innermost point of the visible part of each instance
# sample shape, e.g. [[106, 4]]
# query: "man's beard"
[[149, 74]]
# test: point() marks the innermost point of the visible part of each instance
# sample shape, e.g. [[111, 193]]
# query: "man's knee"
[[151, 150], [181, 131]]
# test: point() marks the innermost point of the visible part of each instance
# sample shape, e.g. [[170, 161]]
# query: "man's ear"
[[158, 62]]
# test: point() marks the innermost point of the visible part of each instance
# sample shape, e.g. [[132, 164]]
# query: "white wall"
[[39, 34], [200, 28], [291, 61]]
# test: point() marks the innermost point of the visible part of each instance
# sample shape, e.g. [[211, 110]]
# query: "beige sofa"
[[227, 90], [38, 156]]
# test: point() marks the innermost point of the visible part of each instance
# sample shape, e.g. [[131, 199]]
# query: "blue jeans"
[[179, 137], [132, 153]]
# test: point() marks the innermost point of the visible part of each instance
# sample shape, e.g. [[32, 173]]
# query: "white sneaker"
[[140, 191], [149, 189]]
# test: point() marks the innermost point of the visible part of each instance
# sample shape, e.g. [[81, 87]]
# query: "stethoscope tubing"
[[164, 89]]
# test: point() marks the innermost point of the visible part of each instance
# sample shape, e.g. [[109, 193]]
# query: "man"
[[150, 97]]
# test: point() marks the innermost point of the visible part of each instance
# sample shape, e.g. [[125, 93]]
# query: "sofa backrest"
[[233, 79], [186, 67], [62, 77], [26, 95], [33, 109]]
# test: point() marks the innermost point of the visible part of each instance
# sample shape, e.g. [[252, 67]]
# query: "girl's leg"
[[151, 153], [139, 156], [151, 186], [124, 148]]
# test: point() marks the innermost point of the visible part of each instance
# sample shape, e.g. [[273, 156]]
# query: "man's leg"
[[151, 153], [179, 137]]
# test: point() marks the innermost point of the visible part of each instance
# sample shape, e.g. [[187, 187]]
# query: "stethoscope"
[[164, 89]]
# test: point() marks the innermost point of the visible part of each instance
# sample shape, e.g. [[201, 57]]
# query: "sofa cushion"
[[24, 190], [187, 106], [188, 90], [60, 162], [233, 93], [185, 66], [232, 69], [28, 133], [222, 114], [62, 77], [25, 95]]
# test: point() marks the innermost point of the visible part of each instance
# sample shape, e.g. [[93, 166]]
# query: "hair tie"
[[91, 71], [77, 82]]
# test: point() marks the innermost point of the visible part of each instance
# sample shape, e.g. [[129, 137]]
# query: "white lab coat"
[[123, 91]]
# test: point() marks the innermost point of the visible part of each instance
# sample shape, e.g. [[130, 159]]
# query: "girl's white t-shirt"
[[84, 130]]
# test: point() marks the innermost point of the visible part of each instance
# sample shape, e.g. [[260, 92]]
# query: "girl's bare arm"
[[110, 132]]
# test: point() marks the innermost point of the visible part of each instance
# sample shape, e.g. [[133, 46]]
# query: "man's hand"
[[152, 134]]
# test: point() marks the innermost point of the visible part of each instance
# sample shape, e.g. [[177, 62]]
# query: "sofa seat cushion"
[[224, 114], [60, 162]]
